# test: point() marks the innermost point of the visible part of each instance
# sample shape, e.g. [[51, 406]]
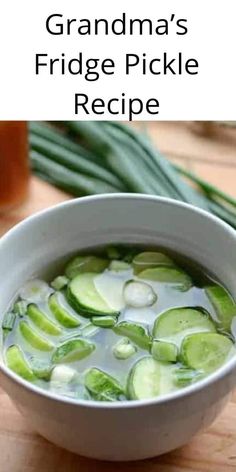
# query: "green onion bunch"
[[87, 157]]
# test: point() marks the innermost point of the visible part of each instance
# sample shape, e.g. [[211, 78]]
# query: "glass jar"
[[14, 164]]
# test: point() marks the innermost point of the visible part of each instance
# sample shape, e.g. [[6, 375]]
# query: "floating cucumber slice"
[[139, 294], [61, 314], [205, 351], [149, 259], [60, 282], [134, 332], [185, 376], [118, 266], [42, 321], [124, 349], [83, 264], [223, 304], [41, 369], [233, 329], [164, 351], [104, 321], [102, 386], [16, 362], [34, 338], [144, 379], [174, 324], [72, 351], [84, 297], [35, 291], [110, 288], [167, 274], [8, 321], [20, 307]]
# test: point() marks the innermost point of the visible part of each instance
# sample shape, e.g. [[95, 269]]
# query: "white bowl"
[[126, 430]]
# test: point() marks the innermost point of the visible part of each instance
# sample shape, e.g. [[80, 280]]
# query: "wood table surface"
[[22, 450]]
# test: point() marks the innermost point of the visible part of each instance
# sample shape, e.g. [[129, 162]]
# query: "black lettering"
[[52, 62], [81, 99], [91, 75], [74, 62], [97, 23], [96, 103], [106, 64], [50, 24], [86, 28], [109, 106], [132, 110], [193, 63], [63, 63], [123, 103], [152, 63], [152, 103], [116, 22], [162, 27], [128, 63], [167, 65], [38, 64], [182, 29], [69, 22], [141, 24], [180, 63]]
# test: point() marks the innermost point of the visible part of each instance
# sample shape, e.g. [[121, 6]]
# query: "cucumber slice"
[[118, 266], [16, 362], [102, 386], [233, 329], [150, 259], [124, 349], [34, 338], [223, 304], [144, 379], [42, 321], [185, 376], [164, 351], [84, 297], [110, 288], [72, 351], [60, 282], [139, 294], [35, 291], [205, 351], [61, 314], [20, 307], [135, 332], [41, 369], [174, 324], [104, 321], [8, 322], [169, 275], [83, 264]]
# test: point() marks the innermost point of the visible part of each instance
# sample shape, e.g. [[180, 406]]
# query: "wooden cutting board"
[[21, 450]]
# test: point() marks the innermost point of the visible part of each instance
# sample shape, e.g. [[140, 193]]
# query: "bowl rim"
[[166, 398]]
